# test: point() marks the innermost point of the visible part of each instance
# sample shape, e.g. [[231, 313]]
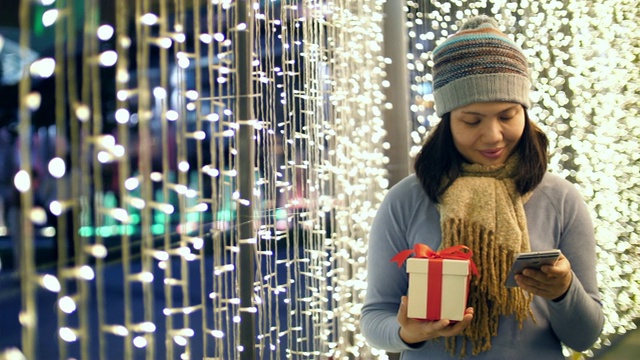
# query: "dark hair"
[[439, 159]]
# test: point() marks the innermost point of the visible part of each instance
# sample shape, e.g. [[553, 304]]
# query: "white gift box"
[[438, 288]]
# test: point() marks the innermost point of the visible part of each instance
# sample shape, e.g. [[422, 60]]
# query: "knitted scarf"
[[483, 211]]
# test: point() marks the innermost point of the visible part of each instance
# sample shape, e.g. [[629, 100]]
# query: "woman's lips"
[[492, 153]]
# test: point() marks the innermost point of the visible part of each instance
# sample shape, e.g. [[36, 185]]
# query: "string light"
[[105, 32], [318, 75], [57, 167], [50, 282], [49, 17], [67, 334], [42, 68], [22, 181]]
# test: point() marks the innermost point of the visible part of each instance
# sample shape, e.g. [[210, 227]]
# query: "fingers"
[[457, 327], [533, 286], [561, 267], [414, 331], [548, 274], [544, 285]]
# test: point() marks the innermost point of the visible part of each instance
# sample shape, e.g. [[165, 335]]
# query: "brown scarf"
[[483, 211]]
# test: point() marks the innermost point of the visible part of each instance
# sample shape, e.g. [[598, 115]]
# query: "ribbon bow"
[[458, 252]]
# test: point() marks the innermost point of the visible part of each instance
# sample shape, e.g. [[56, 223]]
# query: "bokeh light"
[[155, 166]]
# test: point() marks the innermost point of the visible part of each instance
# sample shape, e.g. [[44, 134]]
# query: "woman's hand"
[[550, 282], [414, 331]]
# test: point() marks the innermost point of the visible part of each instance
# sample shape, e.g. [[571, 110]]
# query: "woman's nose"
[[492, 131]]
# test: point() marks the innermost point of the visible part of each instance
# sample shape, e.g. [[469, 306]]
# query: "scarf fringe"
[[488, 295]]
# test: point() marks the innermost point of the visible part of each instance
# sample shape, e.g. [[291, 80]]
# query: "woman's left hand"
[[550, 282]]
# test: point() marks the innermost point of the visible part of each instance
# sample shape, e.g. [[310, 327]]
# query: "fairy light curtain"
[[146, 174], [583, 55]]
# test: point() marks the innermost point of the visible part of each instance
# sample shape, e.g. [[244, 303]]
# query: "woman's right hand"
[[414, 331]]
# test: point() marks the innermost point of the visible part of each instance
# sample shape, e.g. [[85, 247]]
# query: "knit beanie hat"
[[479, 64]]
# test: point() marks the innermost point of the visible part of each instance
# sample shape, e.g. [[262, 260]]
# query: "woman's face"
[[486, 133]]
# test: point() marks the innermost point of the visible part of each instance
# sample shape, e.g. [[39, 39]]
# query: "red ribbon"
[[434, 296], [422, 251]]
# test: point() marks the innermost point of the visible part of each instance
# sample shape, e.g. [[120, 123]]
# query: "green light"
[[107, 231], [281, 214], [225, 215], [86, 231], [38, 27], [157, 229], [127, 230], [159, 217], [135, 218], [111, 230]]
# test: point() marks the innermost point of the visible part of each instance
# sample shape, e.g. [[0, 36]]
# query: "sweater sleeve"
[[386, 283], [578, 318]]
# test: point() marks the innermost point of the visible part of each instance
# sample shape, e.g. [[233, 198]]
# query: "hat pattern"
[[478, 64]]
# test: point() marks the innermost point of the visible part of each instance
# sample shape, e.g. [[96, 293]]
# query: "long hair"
[[440, 161]]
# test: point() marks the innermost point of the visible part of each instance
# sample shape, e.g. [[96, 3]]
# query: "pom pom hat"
[[479, 64]]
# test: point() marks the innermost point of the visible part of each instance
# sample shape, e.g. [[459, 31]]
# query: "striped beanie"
[[479, 64]]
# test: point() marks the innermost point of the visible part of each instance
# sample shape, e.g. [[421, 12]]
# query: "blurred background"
[[196, 179]]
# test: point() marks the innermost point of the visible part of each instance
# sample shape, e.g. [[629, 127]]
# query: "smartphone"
[[531, 260]]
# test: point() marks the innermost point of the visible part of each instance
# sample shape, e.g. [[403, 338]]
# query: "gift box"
[[438, 288], [438, 281]]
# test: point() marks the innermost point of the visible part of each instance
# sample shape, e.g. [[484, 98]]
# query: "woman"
[[481, 181]]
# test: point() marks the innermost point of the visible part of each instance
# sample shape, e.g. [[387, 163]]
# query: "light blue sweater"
[[557, 217]]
